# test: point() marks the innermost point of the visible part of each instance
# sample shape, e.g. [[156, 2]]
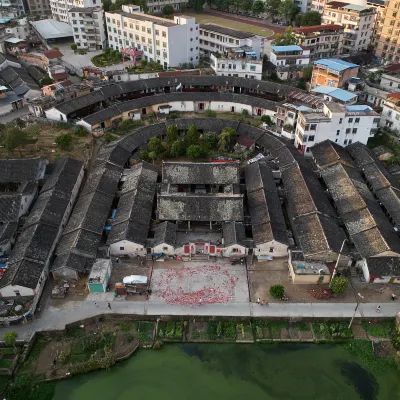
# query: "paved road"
[[58, 317]]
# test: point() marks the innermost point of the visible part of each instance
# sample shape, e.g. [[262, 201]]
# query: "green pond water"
[[229, 371]]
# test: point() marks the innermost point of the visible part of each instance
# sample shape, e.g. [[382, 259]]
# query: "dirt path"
[[250, 21]]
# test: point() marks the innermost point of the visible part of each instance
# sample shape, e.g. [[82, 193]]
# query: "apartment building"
[[60, 8], [39, 7], [324, 41], [357, 21], [319, 5], [387, 37], [88, 27], [342, 124], [332, 72], [156, 6], [289, 61], [214, 38], [239, 63], [391, 112], [170, 43], [13, 8]]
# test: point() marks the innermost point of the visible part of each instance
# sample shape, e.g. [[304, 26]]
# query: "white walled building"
[[319, 5], [60, 8], [217, 39], [238, 65], [170, 43], [156, 6], [282, 56], [342, 124], [88, 27], [358, 22], [391, 112]]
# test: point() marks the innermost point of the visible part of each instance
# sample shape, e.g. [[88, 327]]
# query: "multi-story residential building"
[[40, 7], [289, 60], [239, 63], [60, 8], [304, 5], [156, 6], [332, 72], [357, 21], [324, 41], [214, 38], [391, 112], [13, 8], [170, 43], [88, 27], [387, 34], [342, 124]]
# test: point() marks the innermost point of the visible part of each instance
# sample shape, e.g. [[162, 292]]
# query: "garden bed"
[[171, 331], [244, 332], [332, 330], [375, 329], [221, 331], [146, 333]]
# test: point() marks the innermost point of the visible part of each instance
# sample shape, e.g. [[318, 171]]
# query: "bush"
[[210, 113], [339, 284], [277, 291], [80, 131], [73, 46], [64, 141], [107, 50], [267, 119], [245, 113], [195, 151]]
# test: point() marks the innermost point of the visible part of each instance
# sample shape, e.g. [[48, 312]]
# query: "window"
[[311, 138], [338, 133], [164, 34], [345, 142], [350, 120], [350, 141], [340, 120], [357, 120], [143, 29], [354, 130], [313, 127], [122, 248], [271, 249], [137, 27], [165, 248], [157, 32], [164, 44], [348, 130]]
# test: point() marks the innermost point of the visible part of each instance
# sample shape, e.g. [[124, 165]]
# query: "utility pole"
[[355, 310], [337, 263]]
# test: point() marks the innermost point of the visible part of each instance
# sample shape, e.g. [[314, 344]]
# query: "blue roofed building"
[[332, 72], [338, 95], [289, 60]]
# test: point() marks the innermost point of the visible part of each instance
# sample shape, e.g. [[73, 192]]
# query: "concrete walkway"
[[57, 317]]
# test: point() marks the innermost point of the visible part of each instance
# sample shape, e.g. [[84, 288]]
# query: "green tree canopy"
[[310, 18], [14, 137], [172, 134], [155, 145], [64, 141], [197, 5], [277, 291], [73, 46], [168, 10], [271, 7], [192, 136], [195, 151], [258, 7], [177, 148], [144, 155], [285, 39], [152, 156], [10, 338], [339, 284], [288, 10], [209, 141]]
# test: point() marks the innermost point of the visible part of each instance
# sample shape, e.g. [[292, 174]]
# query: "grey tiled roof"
[[76, 262], [200, 173], [80, 240], [390, 199], [165, 233], [10, 205], [70, 106], [328, 152], [104, 179], [383, 266], [128, 230], [23, 273], [113, 153], [7, 231], [21, 169], [200, 207], [233, 234]]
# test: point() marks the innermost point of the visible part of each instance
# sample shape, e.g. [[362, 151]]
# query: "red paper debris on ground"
[[200, 282]]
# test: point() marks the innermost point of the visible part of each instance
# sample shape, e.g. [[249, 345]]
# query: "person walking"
[[258, 301], [393, 297], [200, 301], [95, 304], [109, 306], [378, 309], [117, 260]]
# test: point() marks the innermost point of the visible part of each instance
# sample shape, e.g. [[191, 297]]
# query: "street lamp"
[[359, 296]]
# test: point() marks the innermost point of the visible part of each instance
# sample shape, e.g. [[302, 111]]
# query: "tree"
[[177, 148], [73, 46], [168, 10], [172, 134], [267, 119], [195, 151], [152, 156], [271, 7], [310, 18], [64, 141], [209, 141], [339, 284], [307, 73], [245, 5], [197, 5], [106, 50], [46, 81], [245, 113], [14, 137], [10, 338], [144, 155], [192, 136], [288, 10], [155, 145], [226, 139], [258, 7], [277, 291], [285, 39]]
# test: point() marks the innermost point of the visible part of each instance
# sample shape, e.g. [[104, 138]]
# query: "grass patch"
[[379, 329], [146, 330], [78, 358], [74, 332], [364, 352], [39, 346], [5, 363], [332, 330], [275, 328], [221, 330], [8, 350], [127, 326]]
